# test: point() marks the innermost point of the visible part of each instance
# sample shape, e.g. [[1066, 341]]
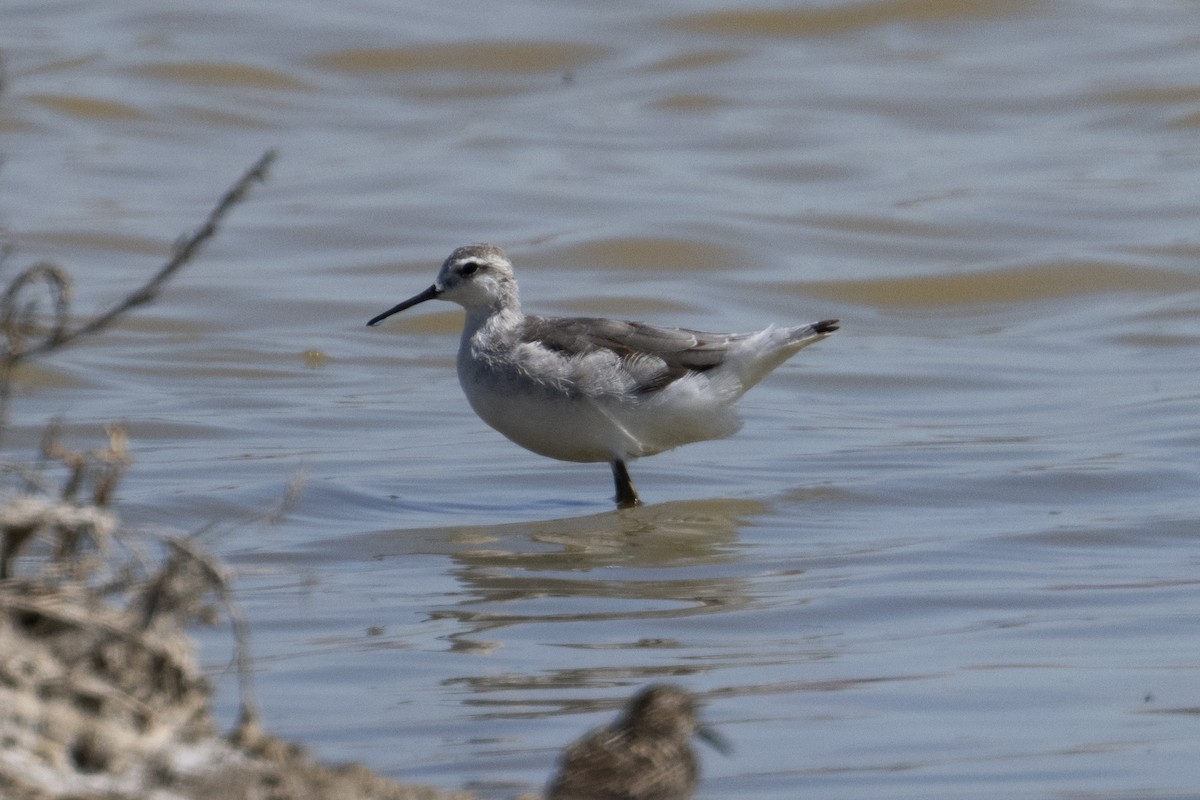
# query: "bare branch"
[[17, 317], [184, 251]]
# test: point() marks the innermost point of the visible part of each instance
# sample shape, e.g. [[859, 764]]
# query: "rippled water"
[[952, 553]]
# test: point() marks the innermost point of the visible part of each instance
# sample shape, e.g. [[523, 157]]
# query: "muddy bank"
[[100, 692]]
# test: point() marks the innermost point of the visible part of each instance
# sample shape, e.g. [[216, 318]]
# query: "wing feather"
[[680, 351]]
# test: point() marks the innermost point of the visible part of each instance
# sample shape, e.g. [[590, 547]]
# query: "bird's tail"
[[766, 350], [804, 335]]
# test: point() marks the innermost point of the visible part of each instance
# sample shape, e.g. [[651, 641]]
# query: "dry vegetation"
[[100, 692]]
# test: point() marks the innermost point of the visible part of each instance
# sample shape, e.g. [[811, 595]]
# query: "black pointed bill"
[[429, 294]]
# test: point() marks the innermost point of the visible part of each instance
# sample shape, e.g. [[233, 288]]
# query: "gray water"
[[953, 551]]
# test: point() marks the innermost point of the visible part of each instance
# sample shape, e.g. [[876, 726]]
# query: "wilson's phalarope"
[[646, 754], [588, 389]]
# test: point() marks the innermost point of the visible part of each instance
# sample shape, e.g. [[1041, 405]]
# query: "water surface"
[[953, 551]]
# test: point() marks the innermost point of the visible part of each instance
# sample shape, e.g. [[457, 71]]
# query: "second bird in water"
[[646, 754], [593, 389]]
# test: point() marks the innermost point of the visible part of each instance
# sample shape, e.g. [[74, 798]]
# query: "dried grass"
[[100, 692]]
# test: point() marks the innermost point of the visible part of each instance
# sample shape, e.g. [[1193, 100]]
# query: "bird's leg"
[[627, 496]]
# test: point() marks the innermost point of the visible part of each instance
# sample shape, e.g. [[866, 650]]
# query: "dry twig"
[[19, 318]]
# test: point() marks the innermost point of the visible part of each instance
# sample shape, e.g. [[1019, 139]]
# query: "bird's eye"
[[469, 268]]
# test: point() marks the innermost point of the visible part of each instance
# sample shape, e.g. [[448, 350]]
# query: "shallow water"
[[952, 553]]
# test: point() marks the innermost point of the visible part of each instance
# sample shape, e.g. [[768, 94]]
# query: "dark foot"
[[627, 496]]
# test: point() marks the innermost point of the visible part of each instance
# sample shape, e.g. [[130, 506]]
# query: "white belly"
[[580, 428]]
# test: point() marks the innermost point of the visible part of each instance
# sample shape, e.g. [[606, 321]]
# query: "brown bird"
[[646, 754]]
